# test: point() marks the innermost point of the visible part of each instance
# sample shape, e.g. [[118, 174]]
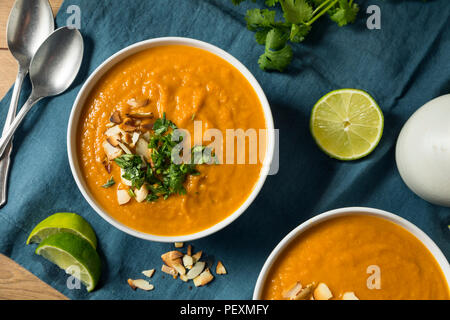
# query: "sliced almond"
[[322, 292], [140, 115], [172, 257], [134, 138], [179, 244], [137, 103], [196, 270], [123, 197], [142, 147], [110, 124], [115, 117], [184, 278], [169, 270], [124, 148], [197, 256], [204, 278], [131, 284], [179, 267], [220, 268], [148, 273], [188, 261], [349, 296], [113, 131], [111, 151], [146, 136], [141, 284], [112, 141], [141, 194], [293, 290], [189, 250], [305, 293]]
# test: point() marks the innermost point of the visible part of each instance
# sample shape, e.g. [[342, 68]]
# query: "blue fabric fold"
[[403, 65]]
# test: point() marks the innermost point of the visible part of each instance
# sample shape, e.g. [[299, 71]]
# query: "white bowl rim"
[[105, 67], [409, 226]]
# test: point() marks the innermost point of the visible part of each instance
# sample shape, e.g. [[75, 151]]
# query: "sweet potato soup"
[[356, 257], [184, 84]]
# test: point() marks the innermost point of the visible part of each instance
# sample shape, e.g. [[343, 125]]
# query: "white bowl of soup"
[[120, 159], [355, 253]]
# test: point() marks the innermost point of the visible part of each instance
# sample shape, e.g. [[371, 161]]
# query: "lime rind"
[[339, 114], [67, 250], [63, 222]]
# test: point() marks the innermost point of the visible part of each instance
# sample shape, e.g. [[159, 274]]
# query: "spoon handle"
[[7, 136], [6, 159]]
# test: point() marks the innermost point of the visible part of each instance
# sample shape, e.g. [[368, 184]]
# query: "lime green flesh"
[[347, 124], [71, 253], [63, 222]]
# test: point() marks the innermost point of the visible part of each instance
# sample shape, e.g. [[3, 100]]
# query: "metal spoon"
[[30, 23], [52, 70]]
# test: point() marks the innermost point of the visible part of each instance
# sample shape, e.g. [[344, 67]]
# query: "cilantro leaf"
[[271, 3], [345, 13], [109, 183], [162, 125], [296, 11], [299, 32], [260, 18], [278, 54]]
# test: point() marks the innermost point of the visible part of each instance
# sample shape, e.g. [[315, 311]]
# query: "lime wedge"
[[347, 124], [73, 254], [66, 222]]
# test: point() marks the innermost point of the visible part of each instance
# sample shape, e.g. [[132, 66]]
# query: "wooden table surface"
[[15, 281]]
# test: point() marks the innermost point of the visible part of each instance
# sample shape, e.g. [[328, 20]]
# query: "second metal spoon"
[[52, 71]]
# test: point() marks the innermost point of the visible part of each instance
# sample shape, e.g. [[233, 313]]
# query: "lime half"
[[73, 254], [66, 222], [347, 124]]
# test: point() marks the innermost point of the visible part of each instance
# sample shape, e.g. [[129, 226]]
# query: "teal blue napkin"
[[403, 65]]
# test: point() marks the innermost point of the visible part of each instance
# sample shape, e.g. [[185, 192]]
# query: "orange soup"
[[186, 84], [356, 257]]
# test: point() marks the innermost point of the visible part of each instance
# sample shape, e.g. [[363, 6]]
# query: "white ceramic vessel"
[[423, 151], [72, 133], [419, 234]]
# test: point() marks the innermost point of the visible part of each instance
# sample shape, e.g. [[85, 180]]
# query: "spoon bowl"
[[53, 69], [56, 63], [29, 24]]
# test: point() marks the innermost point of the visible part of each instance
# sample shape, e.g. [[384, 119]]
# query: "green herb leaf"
[[278, 54], [345, 13], [257, 18], [162, 125], [296, 11], [299, 32], [131, 193], [271, 3], [109, 183]]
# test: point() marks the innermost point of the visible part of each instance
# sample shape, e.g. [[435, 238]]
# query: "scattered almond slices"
[[220, 268], [184, 266], [305, 293], [322, 292], [141, 284], [179, 244], [148, 273], [196, 270], [137, 103], [292, 291], [349, 296], [140, 115], [115, 118], [204, 278]]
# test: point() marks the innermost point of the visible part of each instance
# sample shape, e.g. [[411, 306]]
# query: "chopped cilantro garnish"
[[162, 176], [109, 183]]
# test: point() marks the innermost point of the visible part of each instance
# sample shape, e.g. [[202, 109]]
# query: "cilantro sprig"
[[162, 177], [299, 16]]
